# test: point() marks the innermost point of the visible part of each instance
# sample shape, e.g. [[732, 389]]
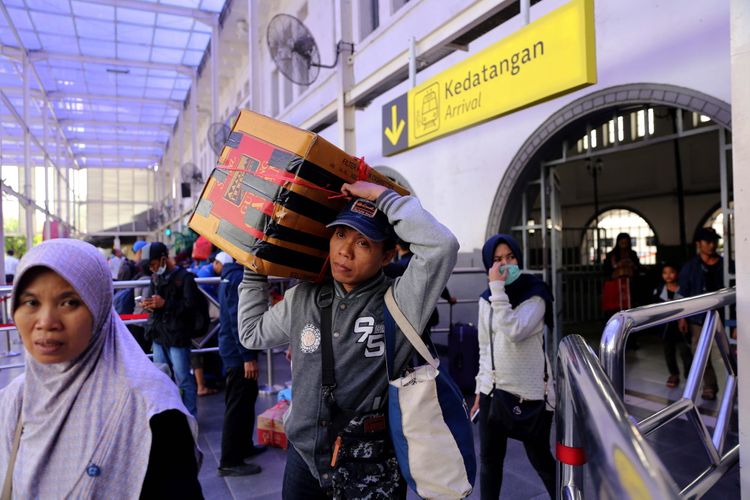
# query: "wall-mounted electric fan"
[[294, 50], [217, 136], [192, 179]]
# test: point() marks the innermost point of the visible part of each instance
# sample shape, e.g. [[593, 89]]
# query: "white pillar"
[[194, 118], [740, 64], [47, 159], [58, 184], [254, 45], [28, 174], [345, 113]]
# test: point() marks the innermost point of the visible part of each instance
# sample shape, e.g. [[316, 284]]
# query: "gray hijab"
[[86, 427]]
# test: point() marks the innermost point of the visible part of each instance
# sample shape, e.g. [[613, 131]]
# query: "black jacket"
[[172, 325]]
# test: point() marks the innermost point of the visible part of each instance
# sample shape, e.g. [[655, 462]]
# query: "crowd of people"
[[701, 273], [93, 417]]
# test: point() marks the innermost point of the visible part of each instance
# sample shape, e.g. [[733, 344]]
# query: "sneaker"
[[240, 470], [673, 381], [255, 450]]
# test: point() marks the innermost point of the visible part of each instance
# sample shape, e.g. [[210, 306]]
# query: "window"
[[642, 124], [611, 223], [369, 17], [397, 4]]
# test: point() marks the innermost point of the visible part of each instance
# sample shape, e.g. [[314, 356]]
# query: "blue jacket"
[[207, 271], [232, 353], [693, 281]]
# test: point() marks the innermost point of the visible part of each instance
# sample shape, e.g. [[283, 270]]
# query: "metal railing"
[[5, 290], [592, 422], [593, 427], [622, 324]]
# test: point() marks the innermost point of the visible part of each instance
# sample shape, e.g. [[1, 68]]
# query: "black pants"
[[239, 417], [674, 341], [493, 442]]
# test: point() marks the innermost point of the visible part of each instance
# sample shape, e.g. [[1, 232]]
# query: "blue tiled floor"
[[676, 444]]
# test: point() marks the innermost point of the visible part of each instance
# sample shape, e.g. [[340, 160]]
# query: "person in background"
[[622, 265], [241, 368], [115, 261], [622, 261], [137, 248], [91, 417], [172, 299], [11, 263], [513, 313], [397, 268], [674, 339], [211, 269], [702, 274]]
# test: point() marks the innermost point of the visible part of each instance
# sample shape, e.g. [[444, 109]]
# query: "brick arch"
[[610, 98]]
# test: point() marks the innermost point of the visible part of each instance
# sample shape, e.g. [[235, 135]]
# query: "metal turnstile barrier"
[[592, 422]]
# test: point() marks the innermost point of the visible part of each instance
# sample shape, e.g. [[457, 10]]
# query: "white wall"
[[457, 176]]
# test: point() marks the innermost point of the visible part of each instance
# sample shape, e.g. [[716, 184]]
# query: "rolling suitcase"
[[463, 354]]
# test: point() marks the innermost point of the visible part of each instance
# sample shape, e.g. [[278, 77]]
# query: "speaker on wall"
[[185, 187]]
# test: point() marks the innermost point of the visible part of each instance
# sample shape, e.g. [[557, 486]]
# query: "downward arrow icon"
[[394, 131]]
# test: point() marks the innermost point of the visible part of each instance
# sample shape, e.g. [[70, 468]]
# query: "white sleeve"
[[515, 324]]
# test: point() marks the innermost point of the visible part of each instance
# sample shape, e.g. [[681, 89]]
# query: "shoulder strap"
[[408, 330], [325, 301], [492, 350], [8, 484]]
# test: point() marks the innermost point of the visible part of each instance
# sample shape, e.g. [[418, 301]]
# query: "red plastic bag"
[[616, 294]]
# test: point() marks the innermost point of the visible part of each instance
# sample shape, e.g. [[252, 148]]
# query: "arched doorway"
[[664, 150]]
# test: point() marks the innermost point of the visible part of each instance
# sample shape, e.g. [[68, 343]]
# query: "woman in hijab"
[[621, 267], [511, 389], [91, 417]]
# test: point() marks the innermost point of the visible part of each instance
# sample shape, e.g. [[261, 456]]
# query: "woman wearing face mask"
[[91, 417], [512, 379]]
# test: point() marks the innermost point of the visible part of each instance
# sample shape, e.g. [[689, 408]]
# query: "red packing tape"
[[569, 455]]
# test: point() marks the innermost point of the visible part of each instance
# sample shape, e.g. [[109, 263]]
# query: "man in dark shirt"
[[398, 267], [702, 274], [173, 299], [241, 367]]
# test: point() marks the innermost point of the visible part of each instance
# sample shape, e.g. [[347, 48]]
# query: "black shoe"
[[255, 450], [240, 470]]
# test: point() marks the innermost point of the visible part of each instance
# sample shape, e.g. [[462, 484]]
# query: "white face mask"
[[161, 269]]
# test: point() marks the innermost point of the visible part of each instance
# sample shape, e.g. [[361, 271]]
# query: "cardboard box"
[[274, 189], [270, 425]]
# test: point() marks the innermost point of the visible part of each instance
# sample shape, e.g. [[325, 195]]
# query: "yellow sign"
[[551, 56]]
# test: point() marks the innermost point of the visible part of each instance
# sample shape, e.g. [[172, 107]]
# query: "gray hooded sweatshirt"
[[357, 330]]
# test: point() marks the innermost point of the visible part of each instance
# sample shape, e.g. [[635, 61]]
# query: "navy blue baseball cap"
[[363, 216], [154, 251]]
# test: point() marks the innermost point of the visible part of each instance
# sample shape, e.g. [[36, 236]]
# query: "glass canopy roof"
[[116, 72]]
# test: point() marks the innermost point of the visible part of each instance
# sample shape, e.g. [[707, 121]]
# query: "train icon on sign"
[[427, 110]]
